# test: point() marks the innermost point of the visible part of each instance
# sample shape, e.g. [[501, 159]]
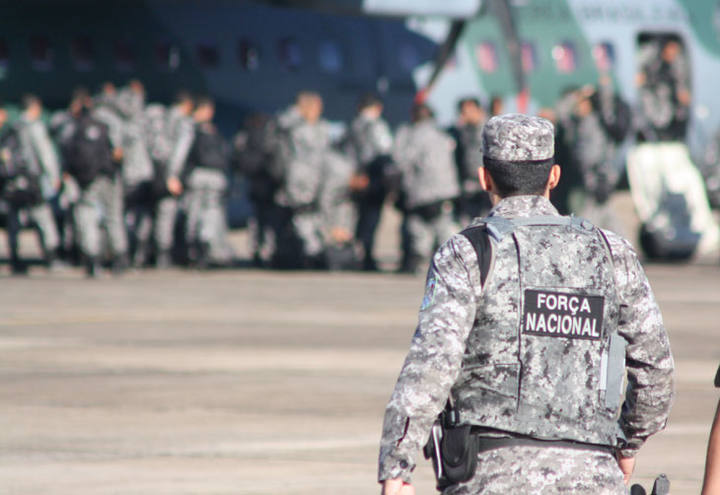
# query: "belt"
[[487, 443]]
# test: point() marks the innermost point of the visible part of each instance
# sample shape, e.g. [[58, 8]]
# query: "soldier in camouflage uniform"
[[306, 143], [594, 153], [137, 171], [110, 193], [369, 144], [429, 184], [205, 183], [179, 133], [473, 202], [528, 324], [40, 156]]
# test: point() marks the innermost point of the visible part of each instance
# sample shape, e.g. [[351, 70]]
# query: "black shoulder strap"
[[480, 240]]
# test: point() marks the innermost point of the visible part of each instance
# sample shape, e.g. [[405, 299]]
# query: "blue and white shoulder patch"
[[429, 298]]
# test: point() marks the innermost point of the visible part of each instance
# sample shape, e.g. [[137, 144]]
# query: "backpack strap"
[[479, 238]]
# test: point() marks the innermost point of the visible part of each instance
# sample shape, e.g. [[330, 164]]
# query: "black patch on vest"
[[560, 314]]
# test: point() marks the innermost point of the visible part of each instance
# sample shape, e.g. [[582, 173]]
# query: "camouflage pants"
[[101, 208], [543, 470], [308, 227], [40, 216], [165, 216], [205, 206]]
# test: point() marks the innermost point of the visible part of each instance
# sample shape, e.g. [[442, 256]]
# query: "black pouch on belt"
[[453, 449], [459, 448]]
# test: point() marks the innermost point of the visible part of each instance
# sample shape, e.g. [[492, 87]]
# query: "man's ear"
[[485, 179], [554, 177]]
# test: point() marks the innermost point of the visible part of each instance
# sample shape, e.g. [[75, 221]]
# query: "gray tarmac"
[[250, 382]]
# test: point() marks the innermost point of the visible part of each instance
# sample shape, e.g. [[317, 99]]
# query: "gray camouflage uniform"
[[595, 154], [301, 190], [180, 135], [368, 140], [204, 204], [138, 173], [40, 153], [474, 202], [424, 155], [102, 200], [468, 344]]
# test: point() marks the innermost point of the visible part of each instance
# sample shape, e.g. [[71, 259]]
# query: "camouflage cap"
[[516, 137]]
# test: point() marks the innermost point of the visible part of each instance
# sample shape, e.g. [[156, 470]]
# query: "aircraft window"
[[604, 56], [409, 57], [41, 53], [4, 53], [167, 56], [82, 53], [290, 53], [248, 55], [565, 56], [207, 55], [330, 56], [124, 53], [529, 56], [486, 55]]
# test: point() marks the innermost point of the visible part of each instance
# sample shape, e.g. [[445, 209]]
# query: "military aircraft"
[[250, 56], [535, 49], [255, 55]]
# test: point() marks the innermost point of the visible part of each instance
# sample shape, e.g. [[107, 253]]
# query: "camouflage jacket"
[[367, 139], [424, 155], [448, 316]]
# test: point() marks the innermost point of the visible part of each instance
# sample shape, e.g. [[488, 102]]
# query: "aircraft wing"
[[455, 9]]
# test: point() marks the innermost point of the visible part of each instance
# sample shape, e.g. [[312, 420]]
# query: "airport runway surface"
[[249, 382]]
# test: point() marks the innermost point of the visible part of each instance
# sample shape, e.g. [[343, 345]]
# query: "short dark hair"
[[369, 100], [183, 96], [420, 112], [471, 100], [204, 101], [519, 178], [29, 99]]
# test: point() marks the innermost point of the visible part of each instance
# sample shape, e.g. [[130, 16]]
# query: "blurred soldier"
[[306, 141], [497, 105], [131, 99], [711, 483], [368, 143], [138, 171], [93, 160], [41, 167], [666, 187], [594, 154], [62, 126], [338, 212], [564, 117], [253, 158], [424, 156], [663, 91], [21, 182], [529, 324], [179, 136], [473, 202], [205, 180]]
